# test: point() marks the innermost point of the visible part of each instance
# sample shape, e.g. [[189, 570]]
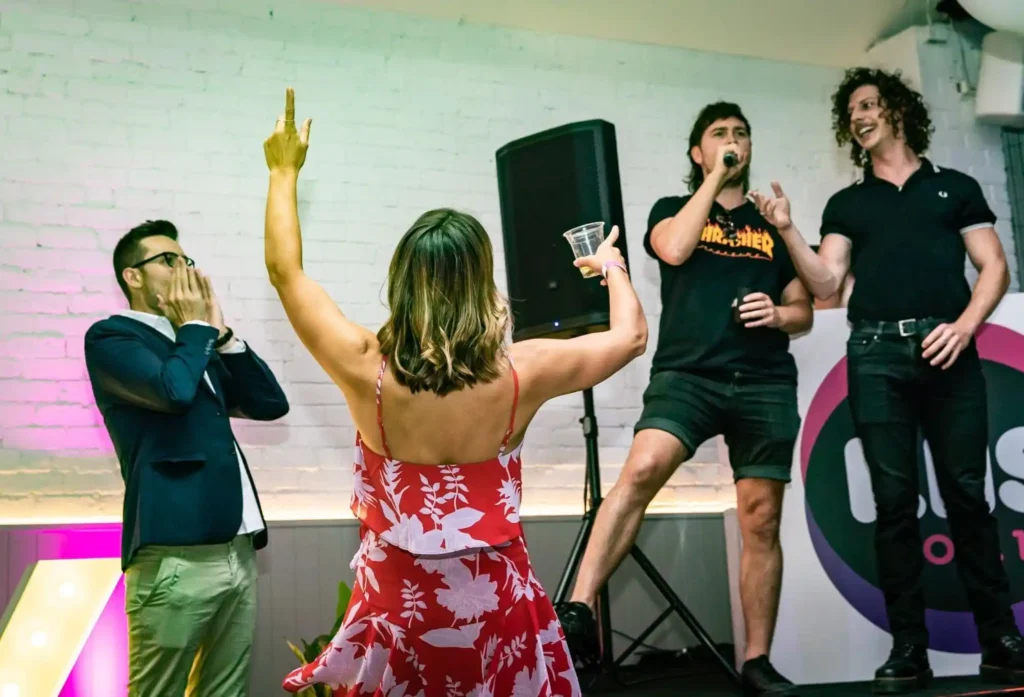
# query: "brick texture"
[[113, 112], [959, 139]]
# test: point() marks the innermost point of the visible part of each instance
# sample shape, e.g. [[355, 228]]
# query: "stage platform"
[[714, 685], [706, 680]]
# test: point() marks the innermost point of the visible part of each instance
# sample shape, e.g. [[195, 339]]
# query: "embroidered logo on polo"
[[748, 242]]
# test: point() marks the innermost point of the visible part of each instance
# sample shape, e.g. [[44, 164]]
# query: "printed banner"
[[832, 623]]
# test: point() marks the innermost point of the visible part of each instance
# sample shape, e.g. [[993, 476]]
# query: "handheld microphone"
[[729, 159]]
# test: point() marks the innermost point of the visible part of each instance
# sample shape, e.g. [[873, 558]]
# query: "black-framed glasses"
[[168, 258], [727, 225]]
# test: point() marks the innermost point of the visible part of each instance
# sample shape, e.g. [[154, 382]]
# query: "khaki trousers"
[[191, 619]]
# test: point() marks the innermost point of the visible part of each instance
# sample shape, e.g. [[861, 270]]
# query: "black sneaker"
[[580, 629], [906, 670], [1003, 661], [761, 678]]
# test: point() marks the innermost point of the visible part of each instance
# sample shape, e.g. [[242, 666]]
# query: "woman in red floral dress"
[[445, 600]]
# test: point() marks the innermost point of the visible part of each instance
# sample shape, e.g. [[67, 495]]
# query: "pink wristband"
[[604, 269]]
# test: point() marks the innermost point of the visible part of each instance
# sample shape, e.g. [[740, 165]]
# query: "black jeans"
[[893, 393]]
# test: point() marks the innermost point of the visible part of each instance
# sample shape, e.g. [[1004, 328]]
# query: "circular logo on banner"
[[841, 511]]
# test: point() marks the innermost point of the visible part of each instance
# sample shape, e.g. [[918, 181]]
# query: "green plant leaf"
[[315, 648], [311, 650], [297, 652]]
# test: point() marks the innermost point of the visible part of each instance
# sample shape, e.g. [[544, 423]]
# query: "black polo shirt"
[[908, 255], [697, 332]]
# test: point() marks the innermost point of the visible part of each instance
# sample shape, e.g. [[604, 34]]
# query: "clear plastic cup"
[[584, 241]]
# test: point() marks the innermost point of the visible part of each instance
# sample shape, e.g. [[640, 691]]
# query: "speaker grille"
[[548, 183]]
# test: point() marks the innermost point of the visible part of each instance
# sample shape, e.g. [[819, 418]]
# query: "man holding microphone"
[[730, 299]]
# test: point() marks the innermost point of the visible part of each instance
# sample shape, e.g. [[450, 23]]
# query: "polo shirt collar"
[[927, 169]]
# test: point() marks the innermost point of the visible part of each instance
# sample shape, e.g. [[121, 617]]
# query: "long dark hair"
[[707, 116], [902, 106], [448, 321]]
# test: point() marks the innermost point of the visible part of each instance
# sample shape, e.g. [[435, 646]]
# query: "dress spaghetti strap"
[[380, 409], [515, 404]]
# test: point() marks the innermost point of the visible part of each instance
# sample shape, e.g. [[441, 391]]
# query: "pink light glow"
[[78, 542], [102, 665]]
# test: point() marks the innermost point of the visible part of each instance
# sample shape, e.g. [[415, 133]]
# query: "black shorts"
[[757, 416]]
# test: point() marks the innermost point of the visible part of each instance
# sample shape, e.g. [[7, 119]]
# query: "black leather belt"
[[901, 328]]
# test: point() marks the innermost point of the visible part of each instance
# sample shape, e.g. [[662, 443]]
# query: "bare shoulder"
[[358, 381], [527, 354]]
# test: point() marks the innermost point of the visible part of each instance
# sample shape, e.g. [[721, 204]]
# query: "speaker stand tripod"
[[592, 503]]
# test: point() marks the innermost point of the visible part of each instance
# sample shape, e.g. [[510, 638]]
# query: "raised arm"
[[337, 343], [250, 389], [120, 363], [555, 367], [822, 273], [674, 239]]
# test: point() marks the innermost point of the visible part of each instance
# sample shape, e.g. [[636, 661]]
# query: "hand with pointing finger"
[[285, 149], [774, 210]]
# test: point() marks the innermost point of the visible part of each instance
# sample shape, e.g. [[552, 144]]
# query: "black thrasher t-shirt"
[[697, 332]]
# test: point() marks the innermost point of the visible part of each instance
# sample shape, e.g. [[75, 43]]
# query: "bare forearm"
[[795, 317], [625, 313], [282, 239], [992, 283], [822, 280], [682, 233]]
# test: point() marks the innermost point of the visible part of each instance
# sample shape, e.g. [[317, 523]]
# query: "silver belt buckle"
[[902, 323]]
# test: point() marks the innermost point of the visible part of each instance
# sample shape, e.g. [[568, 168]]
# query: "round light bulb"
[[38, 639], [67, 589]]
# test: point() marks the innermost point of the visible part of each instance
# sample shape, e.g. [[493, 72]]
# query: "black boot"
[[761, 678], [906, 670], [1003, 661], [580, 629]]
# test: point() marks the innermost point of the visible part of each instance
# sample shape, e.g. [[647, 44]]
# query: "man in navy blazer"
[[167, 376]]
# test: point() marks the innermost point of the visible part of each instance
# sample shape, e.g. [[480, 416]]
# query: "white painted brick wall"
[[960, 141], [112, 112]]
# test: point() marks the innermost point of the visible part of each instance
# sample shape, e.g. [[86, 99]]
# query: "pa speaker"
[[549, 183]]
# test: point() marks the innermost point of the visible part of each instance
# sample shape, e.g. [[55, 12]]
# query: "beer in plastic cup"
[[584, 241]]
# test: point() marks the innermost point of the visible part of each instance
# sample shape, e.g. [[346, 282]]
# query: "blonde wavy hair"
[[448, 323]]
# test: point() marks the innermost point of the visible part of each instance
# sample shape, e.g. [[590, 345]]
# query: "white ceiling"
[[833, 33]]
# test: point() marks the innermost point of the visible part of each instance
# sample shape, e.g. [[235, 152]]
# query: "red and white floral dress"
[[445, 602]]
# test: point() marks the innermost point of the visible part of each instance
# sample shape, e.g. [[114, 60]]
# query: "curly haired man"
[[904, 230]]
